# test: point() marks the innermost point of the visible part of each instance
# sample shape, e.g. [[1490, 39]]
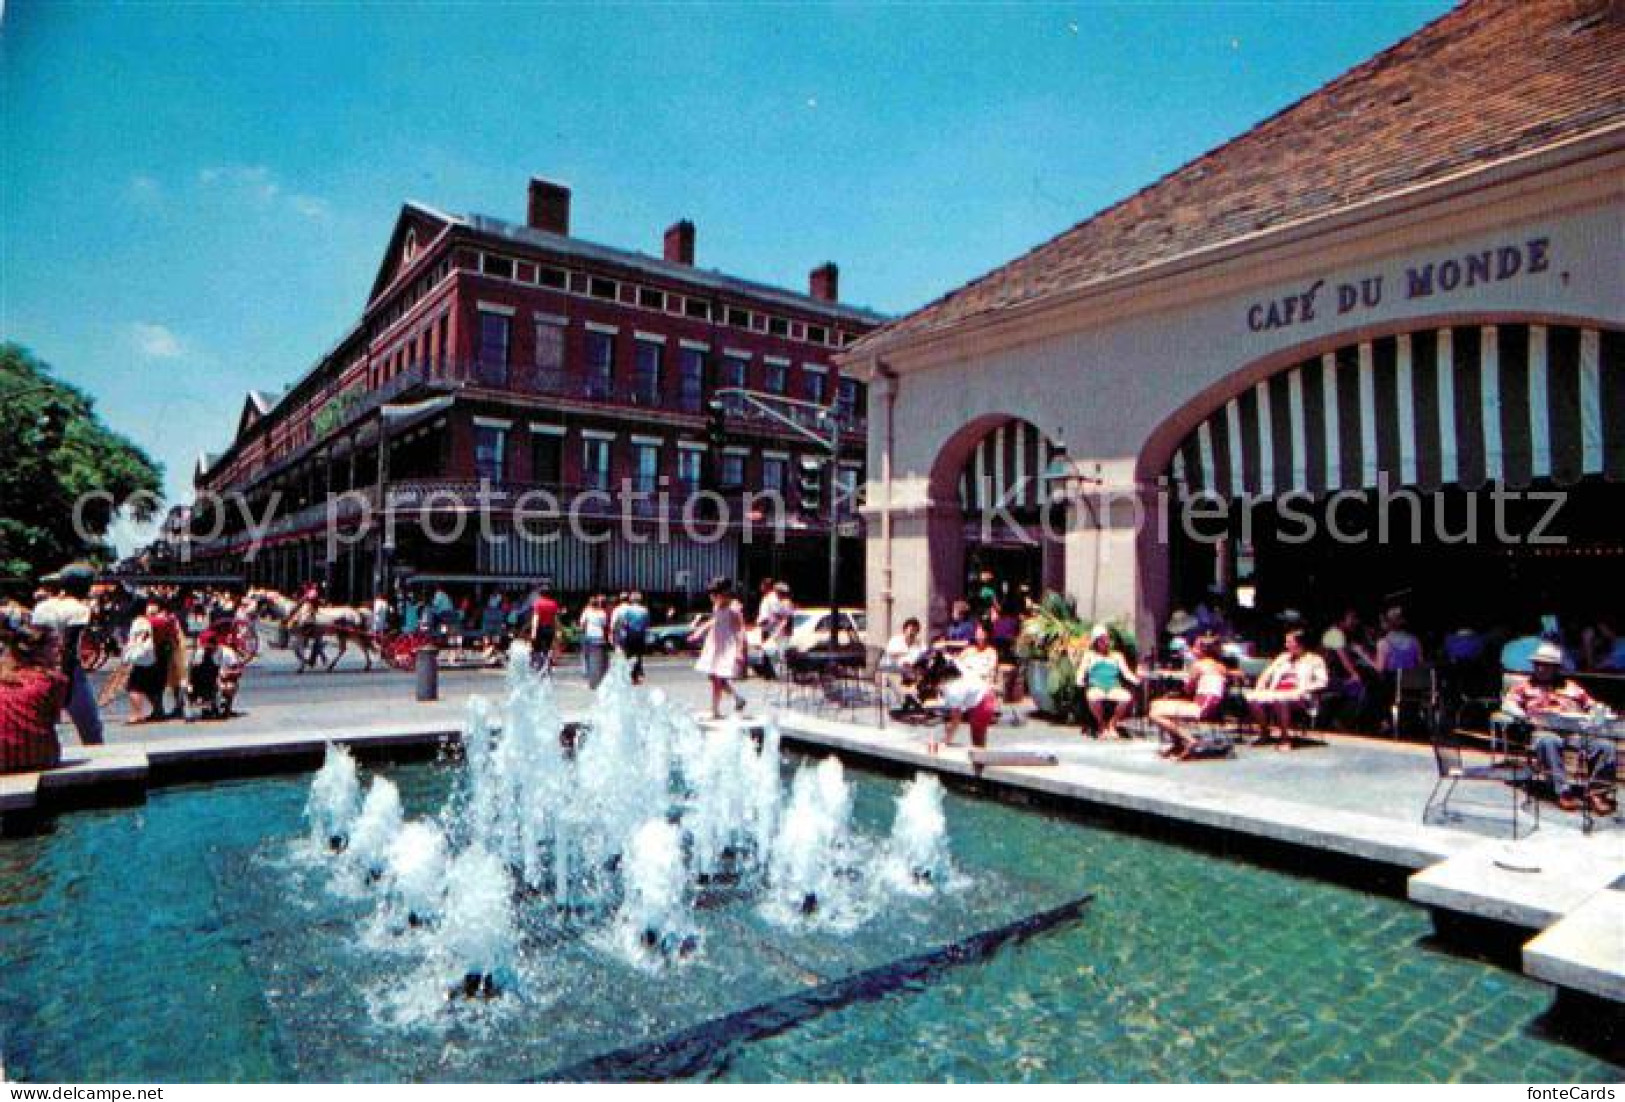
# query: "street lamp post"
[[791, 413]]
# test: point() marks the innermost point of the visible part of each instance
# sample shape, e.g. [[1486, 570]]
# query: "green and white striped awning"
[[1460, 406]]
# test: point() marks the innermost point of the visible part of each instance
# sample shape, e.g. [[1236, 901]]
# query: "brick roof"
[[1488, 80]]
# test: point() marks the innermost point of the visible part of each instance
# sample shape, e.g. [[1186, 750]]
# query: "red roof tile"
[[1491, 79]]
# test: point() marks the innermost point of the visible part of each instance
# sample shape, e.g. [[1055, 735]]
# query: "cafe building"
[[1370, 351]]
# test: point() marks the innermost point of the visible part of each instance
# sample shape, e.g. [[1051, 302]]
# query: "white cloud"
[[156, 342], [260, 185], [309, 205], [256, 181]]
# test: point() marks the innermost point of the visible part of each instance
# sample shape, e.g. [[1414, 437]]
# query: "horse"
[[306, 631]]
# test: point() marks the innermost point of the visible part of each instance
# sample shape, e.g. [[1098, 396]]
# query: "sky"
[[194, 197]]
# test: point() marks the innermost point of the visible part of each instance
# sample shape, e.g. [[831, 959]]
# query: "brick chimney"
[[825, 282], [680, 243], [549, 207]]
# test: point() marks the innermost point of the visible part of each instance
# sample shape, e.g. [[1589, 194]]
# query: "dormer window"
[[410, 249]]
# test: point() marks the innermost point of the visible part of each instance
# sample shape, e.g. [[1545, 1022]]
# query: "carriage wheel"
[[400, 650], [92, 651]]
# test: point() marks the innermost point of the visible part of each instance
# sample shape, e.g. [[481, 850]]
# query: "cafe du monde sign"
[[1419, 280]]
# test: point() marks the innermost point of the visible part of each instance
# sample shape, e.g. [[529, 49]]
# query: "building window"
[[732, 472], [817, 334], [646, 467], [689, 462], [773, 468], [551, 277], [690, 379], [602, 288], [600, 364], [779, 327], [646, 373], [735, 371], [651, 299], [739, 318], [850, 398], [546, 458], [698, 308], [490, 448], [499, 266], [595, 463], [549, 348], [773, 378], [816, 386], [493, 354]]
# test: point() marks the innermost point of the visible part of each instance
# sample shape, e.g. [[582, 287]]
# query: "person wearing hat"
[[1547, 692], [66, 611], [1105, 678], [722, 650]]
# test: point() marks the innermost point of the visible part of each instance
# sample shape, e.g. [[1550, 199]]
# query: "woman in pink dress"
[[722, 656]]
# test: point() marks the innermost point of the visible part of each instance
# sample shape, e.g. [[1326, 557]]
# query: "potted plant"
[[1048, 646]]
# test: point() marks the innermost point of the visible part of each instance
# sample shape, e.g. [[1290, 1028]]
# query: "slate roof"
[[1488, 80]]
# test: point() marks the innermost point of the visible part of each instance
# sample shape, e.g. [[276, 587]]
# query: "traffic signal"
[[810, 484], [716, 424]]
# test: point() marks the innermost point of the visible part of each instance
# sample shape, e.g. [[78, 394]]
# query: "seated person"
[[1105, 678], [1547, 692], [1288, 682], [1205, 681], [216, 672], [33, 692], [902, 660], [961, 628], [968, 692]]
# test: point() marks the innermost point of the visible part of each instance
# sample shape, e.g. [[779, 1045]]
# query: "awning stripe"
[[1405, 401], [1295, 419], [1540, 437], [1611, 379], [1489, 390], [1509, 403], [1591, 401], [1368, 417], [1444, 371]]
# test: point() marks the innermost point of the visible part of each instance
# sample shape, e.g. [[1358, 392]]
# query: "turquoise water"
[[191, 939]]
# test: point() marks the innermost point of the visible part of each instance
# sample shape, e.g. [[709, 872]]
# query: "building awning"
[[1457, 406]]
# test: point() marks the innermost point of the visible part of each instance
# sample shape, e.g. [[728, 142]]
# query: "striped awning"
[[1459, 406], [1006, 469]]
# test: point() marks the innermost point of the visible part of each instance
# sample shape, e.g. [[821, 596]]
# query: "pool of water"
[[199, 938]]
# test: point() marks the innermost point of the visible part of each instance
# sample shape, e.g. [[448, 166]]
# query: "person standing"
[[380, 614], [722, 651], [629, 627], [773, 624], [146, 678], [544, 623], [595, 640], [33, 690], [67, 612]]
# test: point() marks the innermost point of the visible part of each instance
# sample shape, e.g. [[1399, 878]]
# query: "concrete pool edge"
[[1435, 868]]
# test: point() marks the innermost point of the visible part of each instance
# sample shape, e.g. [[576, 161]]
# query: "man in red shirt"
[[544, 619]]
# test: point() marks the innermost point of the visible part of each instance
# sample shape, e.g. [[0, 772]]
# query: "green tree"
[[54, 452]]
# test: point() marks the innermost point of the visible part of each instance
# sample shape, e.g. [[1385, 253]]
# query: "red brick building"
[[527, 362]]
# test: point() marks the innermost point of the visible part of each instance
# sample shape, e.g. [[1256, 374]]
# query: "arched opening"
[[1470, 470], [993, 536]]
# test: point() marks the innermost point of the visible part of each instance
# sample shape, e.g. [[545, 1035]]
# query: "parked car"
[[809, 628], [672, 638]]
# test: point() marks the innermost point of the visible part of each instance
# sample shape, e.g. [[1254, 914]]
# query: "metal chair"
[[1415, 690], [1450, 758]]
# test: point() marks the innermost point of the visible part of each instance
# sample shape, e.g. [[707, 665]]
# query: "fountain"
[[615, 835]]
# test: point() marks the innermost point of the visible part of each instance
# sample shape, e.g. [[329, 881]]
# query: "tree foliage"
[[54, 452]]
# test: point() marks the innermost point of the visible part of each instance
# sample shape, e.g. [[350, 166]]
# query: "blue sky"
[[194, 197]]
